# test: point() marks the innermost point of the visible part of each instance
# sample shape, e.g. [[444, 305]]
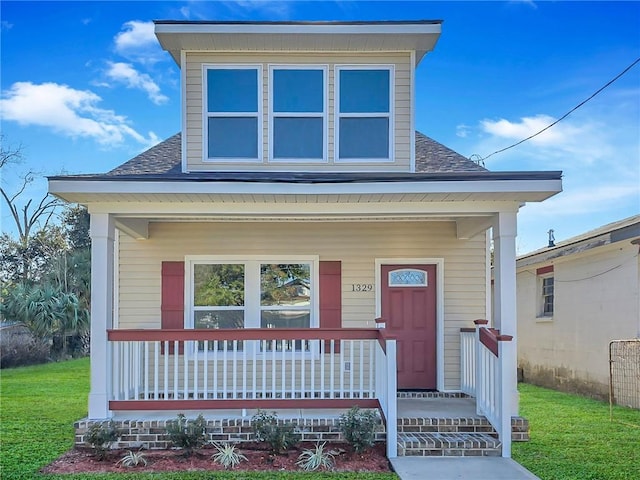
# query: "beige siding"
[[357, 245], [402, 108], [595, 301]]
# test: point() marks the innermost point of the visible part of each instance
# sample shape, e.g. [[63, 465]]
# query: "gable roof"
[[625, 229], [164, 159]]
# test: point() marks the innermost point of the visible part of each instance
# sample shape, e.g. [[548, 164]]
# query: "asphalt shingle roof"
[[165, 159]]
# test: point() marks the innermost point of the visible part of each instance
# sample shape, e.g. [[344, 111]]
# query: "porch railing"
[[468, 361], [483, 353], [254, 368]]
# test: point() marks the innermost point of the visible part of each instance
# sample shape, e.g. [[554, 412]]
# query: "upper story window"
[[233, 112], [364, 119], [298, 113]]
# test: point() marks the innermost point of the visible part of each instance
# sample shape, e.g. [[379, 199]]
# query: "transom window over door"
[[298, 113], [364, 120], [232, 129]]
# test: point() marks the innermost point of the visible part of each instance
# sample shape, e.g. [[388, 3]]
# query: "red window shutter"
[[172, 304], [331, 297]]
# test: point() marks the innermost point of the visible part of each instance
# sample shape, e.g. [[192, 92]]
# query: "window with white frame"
[[364, 113], [298, 113], [546, 295], [232, 129], [252, 294]]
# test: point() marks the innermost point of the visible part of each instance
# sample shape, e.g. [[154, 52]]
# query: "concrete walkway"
[[453, 468]]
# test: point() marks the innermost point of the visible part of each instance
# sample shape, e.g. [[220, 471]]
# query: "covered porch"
[[310, 377]]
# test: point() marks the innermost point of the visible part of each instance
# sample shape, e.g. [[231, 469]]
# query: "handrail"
[[492, 398], [244, 334]]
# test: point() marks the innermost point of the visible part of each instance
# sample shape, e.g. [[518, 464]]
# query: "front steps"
[[457, 437], [444, 424]]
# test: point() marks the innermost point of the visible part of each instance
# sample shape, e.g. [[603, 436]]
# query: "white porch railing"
[[254, 368], [483, 354], [468, 361]]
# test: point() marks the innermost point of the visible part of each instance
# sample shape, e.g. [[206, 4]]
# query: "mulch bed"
[[259, 458]]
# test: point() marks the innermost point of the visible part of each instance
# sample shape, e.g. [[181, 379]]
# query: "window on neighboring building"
[[298, 113], [233, 121], [547, 297], [546, 290], [252, 294], [364, 122]]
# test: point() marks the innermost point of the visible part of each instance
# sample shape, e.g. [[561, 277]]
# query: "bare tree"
[[31, 214]]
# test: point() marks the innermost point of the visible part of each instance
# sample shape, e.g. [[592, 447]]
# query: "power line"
[[565, 115]]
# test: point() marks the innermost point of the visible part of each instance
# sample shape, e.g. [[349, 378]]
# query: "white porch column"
[[504, 308], [102, 240]]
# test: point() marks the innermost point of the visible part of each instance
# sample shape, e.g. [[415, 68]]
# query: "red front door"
[[409, 307]]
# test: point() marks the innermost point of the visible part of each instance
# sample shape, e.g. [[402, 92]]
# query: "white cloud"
[[583, 142], [528, 126], [462, 130], [137, 42], [126, 74], [67, 111]]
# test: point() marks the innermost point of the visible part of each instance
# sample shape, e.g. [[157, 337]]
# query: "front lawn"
[[572, 437], [38, 406]]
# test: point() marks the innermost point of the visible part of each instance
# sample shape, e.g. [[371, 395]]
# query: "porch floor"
[[407, 408]]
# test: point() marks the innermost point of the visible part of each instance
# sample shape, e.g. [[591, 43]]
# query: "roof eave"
[[534, 190], [418, 36]]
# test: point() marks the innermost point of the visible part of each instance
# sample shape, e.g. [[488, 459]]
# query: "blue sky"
[[85, 86]]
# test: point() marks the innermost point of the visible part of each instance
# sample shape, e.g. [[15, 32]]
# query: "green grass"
[[573, 438], [38, 406]]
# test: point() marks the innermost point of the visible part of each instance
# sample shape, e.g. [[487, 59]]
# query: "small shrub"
[[187, 434], [100, 437], [267, 429], [18, 347], [359, 428], [227, 456], [314, 459], [133, 459]]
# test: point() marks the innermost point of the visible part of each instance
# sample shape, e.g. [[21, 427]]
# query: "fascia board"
[[487, 186], [397, 29]]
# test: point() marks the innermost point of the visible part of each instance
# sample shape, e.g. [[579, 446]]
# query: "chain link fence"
[[624, 373]]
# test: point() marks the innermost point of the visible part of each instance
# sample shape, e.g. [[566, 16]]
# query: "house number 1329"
[[361, 287]]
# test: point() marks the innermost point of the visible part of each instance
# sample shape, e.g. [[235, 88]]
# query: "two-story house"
[[253, 259]]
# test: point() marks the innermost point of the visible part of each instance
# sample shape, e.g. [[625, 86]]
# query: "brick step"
[[446, 425], [448, 445], [418, 394]]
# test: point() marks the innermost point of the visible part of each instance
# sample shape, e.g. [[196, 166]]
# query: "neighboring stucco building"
[[573, 299]]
